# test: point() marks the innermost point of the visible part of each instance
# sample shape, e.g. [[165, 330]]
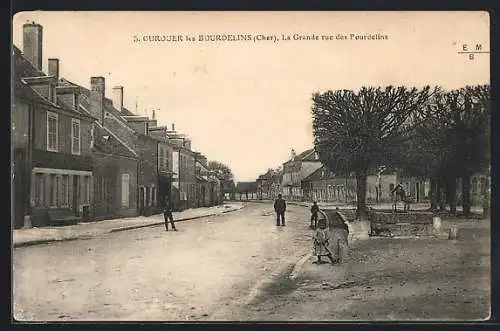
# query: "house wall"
[[19, 123], [60, 179], [416, 188], [187, 179], [108, 170], [64, 124], [387, 183], [147, 150], [140, 127], [147, 175]]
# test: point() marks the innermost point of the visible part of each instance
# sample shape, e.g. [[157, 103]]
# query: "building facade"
[[295, 170], [51, 140]]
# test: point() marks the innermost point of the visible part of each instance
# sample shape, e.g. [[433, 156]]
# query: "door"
[[417, 193], [19, 186]]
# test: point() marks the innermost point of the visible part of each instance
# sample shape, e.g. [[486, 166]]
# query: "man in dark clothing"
[[167, 214], [280, 208], [314, 215]]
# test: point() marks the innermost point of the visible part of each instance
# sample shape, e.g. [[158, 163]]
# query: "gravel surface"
[[209, 267], [390, 279]]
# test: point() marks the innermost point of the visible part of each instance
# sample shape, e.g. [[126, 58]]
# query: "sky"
[[248, 103]]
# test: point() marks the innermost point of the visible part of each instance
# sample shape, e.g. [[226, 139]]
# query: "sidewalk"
[[35, 236]]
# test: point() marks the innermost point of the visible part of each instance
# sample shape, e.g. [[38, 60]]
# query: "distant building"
[[295, 170], [246, 191], [268, 185]]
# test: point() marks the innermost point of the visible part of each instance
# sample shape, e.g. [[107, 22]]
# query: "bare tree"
[[356, 131], [455, 130]]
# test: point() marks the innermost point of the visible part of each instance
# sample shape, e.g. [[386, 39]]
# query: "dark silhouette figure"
[[280, 208], [398, 194], [314, 215], [167, 214]]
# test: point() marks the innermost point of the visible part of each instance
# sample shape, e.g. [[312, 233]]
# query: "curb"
[[48, 241], [256, 290]]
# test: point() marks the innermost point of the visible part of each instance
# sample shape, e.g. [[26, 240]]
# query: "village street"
[[210, 265]]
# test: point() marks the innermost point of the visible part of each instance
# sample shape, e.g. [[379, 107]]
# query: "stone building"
[[295, 170], [52, 160]]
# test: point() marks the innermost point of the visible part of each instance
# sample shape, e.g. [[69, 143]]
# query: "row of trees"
[[225, 175], [427, 132]]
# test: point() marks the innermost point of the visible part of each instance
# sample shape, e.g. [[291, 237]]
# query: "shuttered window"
[[125, 190], [52, 132]]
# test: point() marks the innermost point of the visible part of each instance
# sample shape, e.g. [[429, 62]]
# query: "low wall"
[[401, 224]]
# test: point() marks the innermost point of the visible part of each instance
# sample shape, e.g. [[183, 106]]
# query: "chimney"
[[97, 89], [153, 115], [173, 126], [118, 97], [54, 68], [32, 43]]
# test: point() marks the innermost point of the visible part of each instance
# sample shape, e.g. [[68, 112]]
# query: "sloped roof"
[[111, 145], [306, 156], [23, 68], [317, 174], [85, 101]]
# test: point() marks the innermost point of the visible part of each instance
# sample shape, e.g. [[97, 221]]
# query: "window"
[[75, 136], [65, 190], [153, 196], [39, 190], [52, 190], [125, 190], [86, 190], [58, 196], [52, 132]]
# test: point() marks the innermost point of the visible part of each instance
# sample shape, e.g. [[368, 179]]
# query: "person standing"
[[314, 215], [167, 214], [280, 208], [321, 241]]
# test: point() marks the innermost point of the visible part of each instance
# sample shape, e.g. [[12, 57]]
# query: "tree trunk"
[[361, 212], [434, 194], [466, 194], [451, 193], [439, 195]]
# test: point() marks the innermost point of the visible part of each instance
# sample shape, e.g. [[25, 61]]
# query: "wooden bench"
[[62, 216]]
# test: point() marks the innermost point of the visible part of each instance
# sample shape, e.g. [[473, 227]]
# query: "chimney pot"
[[118, 97], [32, 44], [54, 68]]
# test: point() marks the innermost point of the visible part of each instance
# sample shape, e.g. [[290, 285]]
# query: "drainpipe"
[[29, 167]]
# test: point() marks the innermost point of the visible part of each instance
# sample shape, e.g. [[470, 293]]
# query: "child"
[[321, 242], [314, 215]]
